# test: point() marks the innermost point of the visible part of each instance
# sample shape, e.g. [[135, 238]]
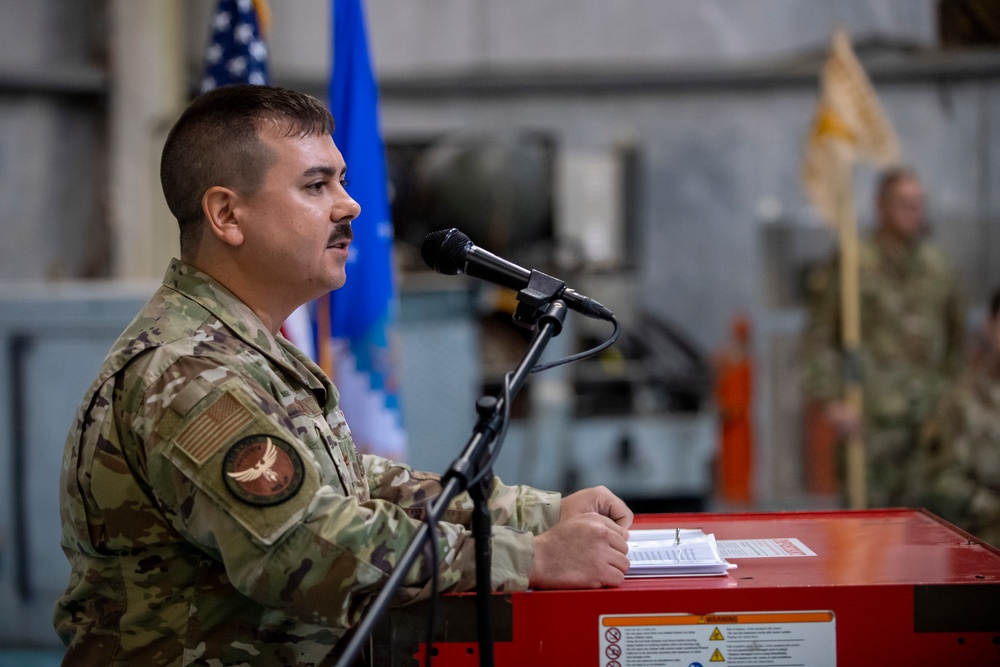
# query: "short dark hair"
[[995, 304], [216, 141], [889, 177]]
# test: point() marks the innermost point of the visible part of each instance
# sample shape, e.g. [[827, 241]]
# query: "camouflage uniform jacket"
[[216, 512], [912, 332], [960, 454]]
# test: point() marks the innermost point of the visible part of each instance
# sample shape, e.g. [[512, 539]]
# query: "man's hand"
[[596, 499], [584, 551], [845, 418]]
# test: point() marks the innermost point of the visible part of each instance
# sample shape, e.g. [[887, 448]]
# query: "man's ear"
[[219, 206]]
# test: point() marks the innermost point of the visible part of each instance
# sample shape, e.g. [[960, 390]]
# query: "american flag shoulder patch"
[[213, 428]]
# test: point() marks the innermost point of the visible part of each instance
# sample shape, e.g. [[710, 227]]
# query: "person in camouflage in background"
[[214, 508], [912, 338], [960, 444]]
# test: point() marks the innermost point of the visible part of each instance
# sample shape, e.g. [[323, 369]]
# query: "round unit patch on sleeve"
[[262, 470]]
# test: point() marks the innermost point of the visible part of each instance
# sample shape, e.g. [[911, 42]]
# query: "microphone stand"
[[477, 454]]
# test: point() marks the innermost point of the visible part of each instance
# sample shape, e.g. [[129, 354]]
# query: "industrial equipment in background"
[[639, 418]]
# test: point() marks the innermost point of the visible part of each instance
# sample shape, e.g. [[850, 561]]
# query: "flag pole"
[[850, 311], [849, 125]]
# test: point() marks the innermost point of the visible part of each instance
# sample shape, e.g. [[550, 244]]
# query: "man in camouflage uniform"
[[960, 447], [912, 337], [215, 510]]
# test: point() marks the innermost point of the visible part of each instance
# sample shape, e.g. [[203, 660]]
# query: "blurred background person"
[[960, 444], [912, 337]]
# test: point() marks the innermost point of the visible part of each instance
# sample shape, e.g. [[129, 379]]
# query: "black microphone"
[[450, 252]]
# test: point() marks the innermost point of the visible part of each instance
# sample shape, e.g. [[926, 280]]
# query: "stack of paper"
[[674, 553]]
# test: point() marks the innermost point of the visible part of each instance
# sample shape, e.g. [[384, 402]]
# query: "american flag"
[[236, 51]]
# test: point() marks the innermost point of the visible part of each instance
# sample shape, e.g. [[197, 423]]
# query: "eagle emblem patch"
[[262, 470]]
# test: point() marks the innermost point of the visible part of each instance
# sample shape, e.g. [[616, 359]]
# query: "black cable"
[[494, 455], [432, 612], [586, 353], [501, 434]]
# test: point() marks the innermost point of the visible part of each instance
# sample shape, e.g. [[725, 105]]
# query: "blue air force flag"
[[363, 312]]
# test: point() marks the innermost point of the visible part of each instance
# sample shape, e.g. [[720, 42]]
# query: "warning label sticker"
[[730, 639], [772, 548]]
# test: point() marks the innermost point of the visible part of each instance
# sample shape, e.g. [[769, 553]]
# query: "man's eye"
[[316, 187], [344, 183]]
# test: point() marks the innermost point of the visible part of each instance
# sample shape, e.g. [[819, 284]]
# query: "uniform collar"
[[241, 320], [900, 260]]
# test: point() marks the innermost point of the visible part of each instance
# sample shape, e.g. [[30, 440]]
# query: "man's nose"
[[347, 209]]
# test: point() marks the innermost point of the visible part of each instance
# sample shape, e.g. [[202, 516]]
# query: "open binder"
[[675, 552]]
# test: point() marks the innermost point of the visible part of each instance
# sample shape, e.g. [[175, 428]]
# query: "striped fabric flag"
[[354, 326], [236, 51]]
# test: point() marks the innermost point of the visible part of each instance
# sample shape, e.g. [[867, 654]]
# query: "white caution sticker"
[[772, 548], [733, 639]]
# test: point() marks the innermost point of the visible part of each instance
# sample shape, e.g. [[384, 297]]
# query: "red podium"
[[885, 587]]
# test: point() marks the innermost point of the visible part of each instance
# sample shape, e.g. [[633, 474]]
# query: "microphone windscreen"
[[444, 251]]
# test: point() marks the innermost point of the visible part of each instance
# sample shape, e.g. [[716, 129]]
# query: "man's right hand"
[[845, 418], [585, 551]]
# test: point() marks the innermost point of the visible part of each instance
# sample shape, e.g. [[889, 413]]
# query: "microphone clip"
[[532, 301]]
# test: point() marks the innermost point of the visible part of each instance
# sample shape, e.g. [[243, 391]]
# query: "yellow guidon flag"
[[849, 125]]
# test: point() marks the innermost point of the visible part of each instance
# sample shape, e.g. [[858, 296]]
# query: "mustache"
[[342, 232]]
